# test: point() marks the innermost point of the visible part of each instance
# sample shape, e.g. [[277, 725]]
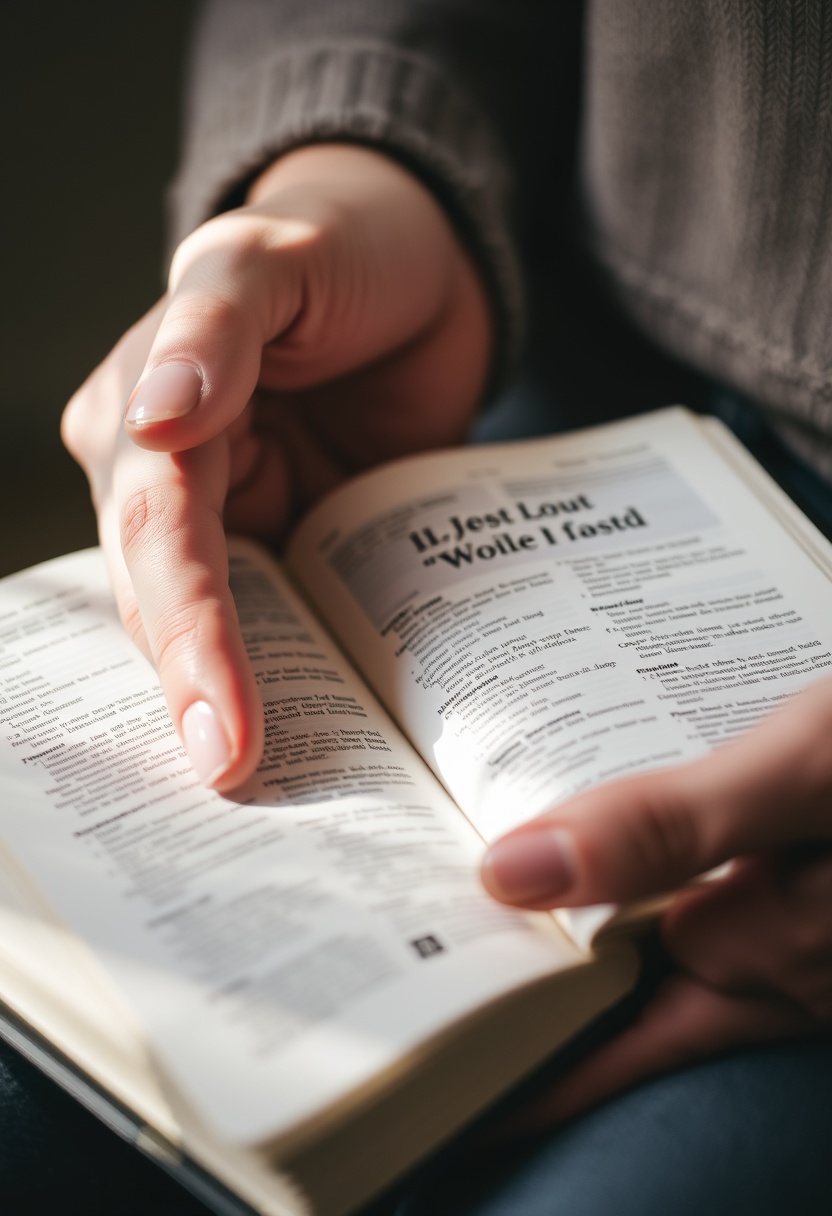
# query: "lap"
[[747, 1134], [57, 1157]]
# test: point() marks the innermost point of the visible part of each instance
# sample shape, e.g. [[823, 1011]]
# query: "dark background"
[[90, 104]]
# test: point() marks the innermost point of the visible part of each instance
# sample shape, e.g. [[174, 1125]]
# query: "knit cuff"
[[373, 94]]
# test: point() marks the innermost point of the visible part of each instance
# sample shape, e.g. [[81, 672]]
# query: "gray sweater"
[[687, 146]]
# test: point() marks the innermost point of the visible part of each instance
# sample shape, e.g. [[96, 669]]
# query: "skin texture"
[[334, 322], [753, 948]]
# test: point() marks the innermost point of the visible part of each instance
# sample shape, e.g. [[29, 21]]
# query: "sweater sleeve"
[[458, 90]]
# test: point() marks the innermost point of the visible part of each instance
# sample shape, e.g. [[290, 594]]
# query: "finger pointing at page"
[[174, 549], [159, 520], [282, 359]]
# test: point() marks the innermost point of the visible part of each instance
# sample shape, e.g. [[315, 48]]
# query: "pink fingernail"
[[170, 391], [205, 742], [531, 866]]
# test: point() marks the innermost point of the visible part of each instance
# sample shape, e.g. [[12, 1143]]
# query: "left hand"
[[335, 321], [753, 949]]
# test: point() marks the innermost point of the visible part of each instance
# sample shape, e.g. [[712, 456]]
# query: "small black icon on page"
[[427, 945]]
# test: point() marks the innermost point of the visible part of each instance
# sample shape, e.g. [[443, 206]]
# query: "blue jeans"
[[749, 1134]]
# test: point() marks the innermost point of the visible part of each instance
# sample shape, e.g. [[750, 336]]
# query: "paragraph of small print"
[[427, 946]]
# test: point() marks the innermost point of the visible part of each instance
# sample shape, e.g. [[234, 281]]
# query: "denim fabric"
[[56, 1159], [750, 1135]]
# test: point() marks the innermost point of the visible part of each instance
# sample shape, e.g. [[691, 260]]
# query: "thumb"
[[650, 834], [227, 300]]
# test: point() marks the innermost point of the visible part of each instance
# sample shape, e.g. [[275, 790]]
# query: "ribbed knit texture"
[[708, 186], [706, 180], [356, 90], [270, 75]]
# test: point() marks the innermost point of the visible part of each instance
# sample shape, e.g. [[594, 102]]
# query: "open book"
[[291, 995]]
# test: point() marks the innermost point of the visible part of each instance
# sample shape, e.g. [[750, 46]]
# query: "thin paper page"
[[547, 615], [279, 947]]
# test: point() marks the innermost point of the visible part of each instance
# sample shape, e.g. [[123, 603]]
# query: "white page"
[[546, 615], [279, 947]]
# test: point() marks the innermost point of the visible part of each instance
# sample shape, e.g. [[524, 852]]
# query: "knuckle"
[[215, 266], [668, 835], [183, 257], [194, 627], [134, 518], [91, 419], [76, 422], [131, 619], [220, 248], [142, 517], [212, 308], [175, 636], [70, 425]]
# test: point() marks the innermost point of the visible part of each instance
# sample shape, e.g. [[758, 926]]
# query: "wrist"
[[350, 164], [366, 184]]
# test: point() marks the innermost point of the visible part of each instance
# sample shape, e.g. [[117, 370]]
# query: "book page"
[[547, 615], [280, 947]]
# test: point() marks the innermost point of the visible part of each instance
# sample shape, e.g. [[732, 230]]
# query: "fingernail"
[[531, 866], [170, 391], [205, 742]]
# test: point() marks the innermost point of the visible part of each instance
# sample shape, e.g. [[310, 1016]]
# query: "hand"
[[753, 949], [333, 322]]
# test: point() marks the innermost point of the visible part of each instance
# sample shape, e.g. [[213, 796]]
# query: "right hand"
[[332, 323]]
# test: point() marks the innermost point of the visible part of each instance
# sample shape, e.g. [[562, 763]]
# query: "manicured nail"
[[205, 742], [170, 391], [530, 867]]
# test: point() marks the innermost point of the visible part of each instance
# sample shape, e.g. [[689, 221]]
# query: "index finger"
[[169, 512]]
